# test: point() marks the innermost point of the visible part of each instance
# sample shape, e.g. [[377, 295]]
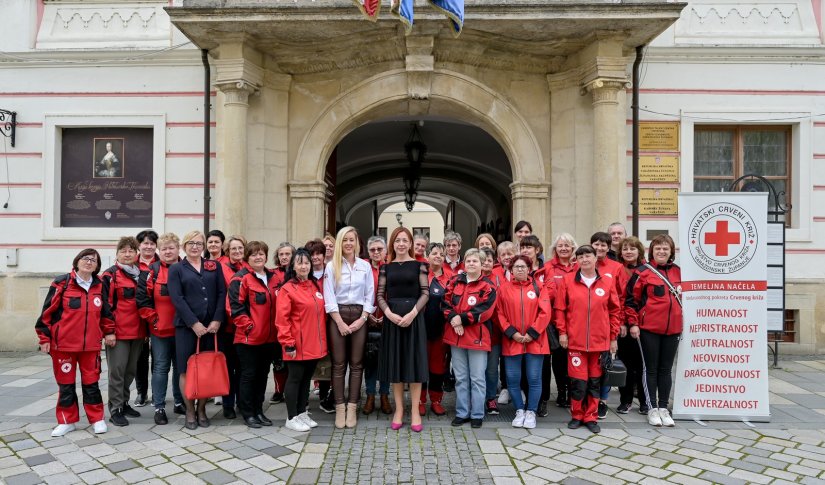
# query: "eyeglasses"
[[519, 268], [195, 244], [89, 259], [376, 250]]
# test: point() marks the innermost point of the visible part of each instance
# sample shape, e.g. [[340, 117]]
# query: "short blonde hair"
[[192, 235], [473, 252], [169, 237], [505, 246]]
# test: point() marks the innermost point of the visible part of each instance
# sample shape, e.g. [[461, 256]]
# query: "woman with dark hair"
[[300, 320], [434, 323], [631, 253], [198, 291], [214, 246], [402, 295], [120, 291], [317, 251], [349, 294], [147, 255], [156, 308], [588, 316], [252, 293], [520, 230], [523, 310], [654, 314], [74, 319]]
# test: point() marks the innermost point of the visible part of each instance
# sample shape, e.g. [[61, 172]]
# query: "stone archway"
[[447, 93]]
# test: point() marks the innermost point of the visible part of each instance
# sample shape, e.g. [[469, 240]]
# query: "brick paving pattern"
[[789, 449]]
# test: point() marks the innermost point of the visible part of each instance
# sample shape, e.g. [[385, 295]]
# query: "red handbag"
[[206, 373]]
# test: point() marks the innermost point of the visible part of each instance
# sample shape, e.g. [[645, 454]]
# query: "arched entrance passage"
[[386, 95]]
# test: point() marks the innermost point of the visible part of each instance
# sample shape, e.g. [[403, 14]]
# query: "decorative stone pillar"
[[237, 78], [531, 202], [307, 209], [608, 175]]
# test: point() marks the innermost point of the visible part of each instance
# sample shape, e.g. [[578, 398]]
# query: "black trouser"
[[560, 364], [232, 366], [254, 369], [629, 354], [142, 372], [296, 393], [546, 372], [659, 354]]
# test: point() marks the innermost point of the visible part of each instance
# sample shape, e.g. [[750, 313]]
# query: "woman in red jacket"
[[562, 262], [75, 318], [252, 299], [155, 307], [654, 314], [523, 310], [301, 323], [234, 262], [120, 291], [468, 307], [588, 316], [632, 254]]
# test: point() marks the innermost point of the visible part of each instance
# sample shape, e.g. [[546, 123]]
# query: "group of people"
[[400, 314]]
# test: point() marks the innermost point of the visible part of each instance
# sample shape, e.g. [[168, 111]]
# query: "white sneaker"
[[297, 424], [653, 417], [100, 427], [218, 401], [62, 430], [530, 420], [504, 397], [518, 422], [664, 415], [307, 420]]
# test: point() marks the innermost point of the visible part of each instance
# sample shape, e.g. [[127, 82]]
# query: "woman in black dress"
[[403, 291]]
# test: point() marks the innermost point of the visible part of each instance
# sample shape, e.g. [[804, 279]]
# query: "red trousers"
[[437, 360], [585, 371], [64, 365]]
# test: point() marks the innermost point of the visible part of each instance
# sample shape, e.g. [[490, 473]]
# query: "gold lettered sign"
[[655, 168], [659, 136], [658, 202]]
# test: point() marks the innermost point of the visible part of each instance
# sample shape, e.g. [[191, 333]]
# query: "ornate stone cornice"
[[598, 68]]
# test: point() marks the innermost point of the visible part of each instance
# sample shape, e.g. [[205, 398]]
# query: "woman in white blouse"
[[349, 293]]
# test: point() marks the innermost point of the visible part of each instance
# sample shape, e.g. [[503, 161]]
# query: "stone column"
[[608, 174], [231, 177], [531, 202], [307, 210]]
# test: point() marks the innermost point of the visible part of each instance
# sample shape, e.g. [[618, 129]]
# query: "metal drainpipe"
[[635, 107], [206, 134]]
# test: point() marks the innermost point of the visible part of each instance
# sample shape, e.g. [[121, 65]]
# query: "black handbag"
[[614, 372], [553, 338], [372, 348]]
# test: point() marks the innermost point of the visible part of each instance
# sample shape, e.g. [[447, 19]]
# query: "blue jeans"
[[533, 363], [604, 393], [370, 377], [491, 376], [163, 357], [469, 367]]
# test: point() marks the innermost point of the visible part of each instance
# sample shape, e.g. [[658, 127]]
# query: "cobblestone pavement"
[[789, 449]]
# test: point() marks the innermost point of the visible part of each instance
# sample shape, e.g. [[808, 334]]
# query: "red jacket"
[[649, 302], [153, 301], [73, 319], [475, 304], [524, 307], [253, 307], [590, 317], [120, 291], [228, 270], [145, 267], [498, 278], [608, 267], [301, 320]]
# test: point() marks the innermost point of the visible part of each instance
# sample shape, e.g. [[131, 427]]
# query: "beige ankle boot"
[[352, 415], [340, 415]]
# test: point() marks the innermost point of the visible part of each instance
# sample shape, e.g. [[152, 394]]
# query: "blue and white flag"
[[403, 9]]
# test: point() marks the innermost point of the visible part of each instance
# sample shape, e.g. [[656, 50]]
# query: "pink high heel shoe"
[[396, 426], [417, 427]]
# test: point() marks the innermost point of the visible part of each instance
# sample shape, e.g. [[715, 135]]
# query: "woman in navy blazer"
[[198, 291]]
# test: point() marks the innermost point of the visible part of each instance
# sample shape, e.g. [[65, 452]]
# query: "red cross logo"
[[722, 238]]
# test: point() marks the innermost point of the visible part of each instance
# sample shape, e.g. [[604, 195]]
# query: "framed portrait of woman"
[[109, 160]]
